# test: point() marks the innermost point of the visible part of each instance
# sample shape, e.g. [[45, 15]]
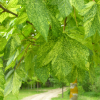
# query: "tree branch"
[[6, 10]]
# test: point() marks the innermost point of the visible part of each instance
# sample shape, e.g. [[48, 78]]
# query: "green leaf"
[[12, 64], [79, 36], [91, 20], [22, 18], [1, 63], [65, 53], [2, 30], [61, 67], [55, 26], [78, 4], [64, 7], [16, 84], [2, 80], [27, 30], [21, 71], [3, 42], [53, 9], [29, 60], [9, 32], [98, 6], [72, 76], [11, 61], [11, 46], [42, 73], [44, 49], [8, 85], [39, 16], [14, 80], [3, 16], [9, 74], [52, 2], [12, 3], [3, 1], [12, 58], [92, 73], [22, 2]]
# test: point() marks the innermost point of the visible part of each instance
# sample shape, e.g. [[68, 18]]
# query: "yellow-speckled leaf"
[[38, 15]]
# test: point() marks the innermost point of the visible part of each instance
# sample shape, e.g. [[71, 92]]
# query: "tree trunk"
[[37, 86], [73, 90], [28, 86], [34, 85], [31, 86]]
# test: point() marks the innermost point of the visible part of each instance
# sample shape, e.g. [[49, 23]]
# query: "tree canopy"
[[43, 37]]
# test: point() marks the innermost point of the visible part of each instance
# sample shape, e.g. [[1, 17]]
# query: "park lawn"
[[27, 92], [81, 95], [23, 93]]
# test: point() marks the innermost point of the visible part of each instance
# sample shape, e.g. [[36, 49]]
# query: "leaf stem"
[[64, 24], [75, 18], [6, 10]]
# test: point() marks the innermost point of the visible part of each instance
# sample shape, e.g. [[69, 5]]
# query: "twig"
[[6, 10], [27, 38], [23, 40], [29, 22], [23, 56], [20, 61], [32, 38], [64, 24], [49, 27]]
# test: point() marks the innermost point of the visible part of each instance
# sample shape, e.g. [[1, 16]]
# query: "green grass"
[[27, 92], [81, 95], [22, 93]]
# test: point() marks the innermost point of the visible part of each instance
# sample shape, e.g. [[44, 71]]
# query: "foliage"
[[86, 83], [43, 37], [56, 83], [96, 86], [2, 81]]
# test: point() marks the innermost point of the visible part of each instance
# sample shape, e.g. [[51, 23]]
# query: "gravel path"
[[46, 95]]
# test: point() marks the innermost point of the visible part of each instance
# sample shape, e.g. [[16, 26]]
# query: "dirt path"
[[46, 95]]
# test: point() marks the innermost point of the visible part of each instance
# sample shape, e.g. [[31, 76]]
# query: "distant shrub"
[[86, 83], [96, 86]]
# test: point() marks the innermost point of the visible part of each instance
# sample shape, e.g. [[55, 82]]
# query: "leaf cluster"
[[47, 37]]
